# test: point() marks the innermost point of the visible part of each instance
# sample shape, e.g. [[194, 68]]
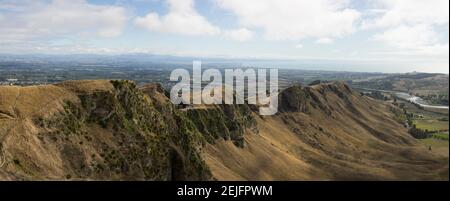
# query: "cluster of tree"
[[417, 105], [399, 114], [409, 118], [440, 99], [419, 133], [399, 104], [378, 95]]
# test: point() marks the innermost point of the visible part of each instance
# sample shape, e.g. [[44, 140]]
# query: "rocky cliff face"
[[306, 99], [119, 133], [228, 122]]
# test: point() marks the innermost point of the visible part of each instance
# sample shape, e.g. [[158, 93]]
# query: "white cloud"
[[239, 34], [409, 37], [412, 27], [30, 20], [410, 12], [295, 19], [181, 19], [299, 46], [324, 41]]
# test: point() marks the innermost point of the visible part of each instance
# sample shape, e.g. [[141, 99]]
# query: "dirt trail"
[[4, 133]]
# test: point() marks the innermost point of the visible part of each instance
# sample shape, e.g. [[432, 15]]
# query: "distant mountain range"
[[299, 64]]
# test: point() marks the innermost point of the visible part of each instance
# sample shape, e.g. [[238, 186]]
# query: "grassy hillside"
[[97, 130], [328, 132], [113, 130]]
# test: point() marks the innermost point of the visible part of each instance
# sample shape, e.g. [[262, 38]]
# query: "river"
[[418, 101]]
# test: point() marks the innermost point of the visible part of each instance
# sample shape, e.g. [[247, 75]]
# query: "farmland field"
[[437, 146], [431, 124]]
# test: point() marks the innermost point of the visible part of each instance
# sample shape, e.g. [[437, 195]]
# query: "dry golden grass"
[[18, 134], [357, 143]]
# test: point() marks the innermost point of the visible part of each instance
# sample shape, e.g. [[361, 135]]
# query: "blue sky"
[[360, 35]]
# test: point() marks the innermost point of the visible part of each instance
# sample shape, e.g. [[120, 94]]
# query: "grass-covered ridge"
[[151, 143]]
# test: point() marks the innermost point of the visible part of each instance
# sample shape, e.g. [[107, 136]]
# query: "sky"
[[363, 35]]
